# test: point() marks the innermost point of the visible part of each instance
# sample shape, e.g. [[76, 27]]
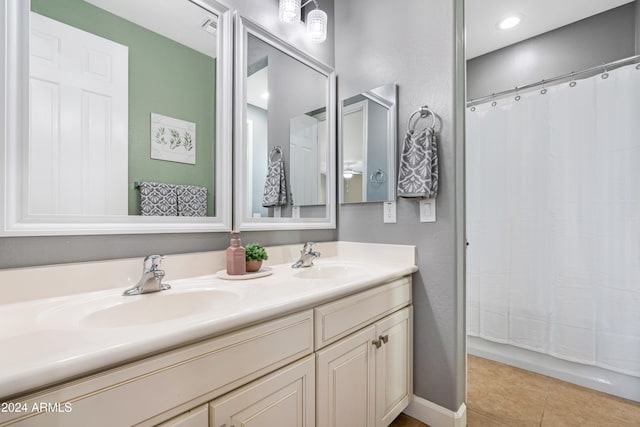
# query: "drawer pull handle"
[[377, 343], [384, 338]]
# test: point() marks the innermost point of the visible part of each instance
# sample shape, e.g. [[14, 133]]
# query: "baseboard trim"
[[435, 415]]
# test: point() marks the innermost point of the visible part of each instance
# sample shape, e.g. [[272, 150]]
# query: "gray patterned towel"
[[418, 175], [275, 186], [192, 200], [157, 199]]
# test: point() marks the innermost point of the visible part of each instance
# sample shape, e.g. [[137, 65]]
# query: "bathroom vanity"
[[325, 345]]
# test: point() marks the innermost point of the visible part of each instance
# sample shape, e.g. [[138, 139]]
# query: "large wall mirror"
[[118, 117], [284, 131], [367, 131]]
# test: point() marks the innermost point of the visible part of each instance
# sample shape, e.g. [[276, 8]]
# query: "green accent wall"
[[166, 78]]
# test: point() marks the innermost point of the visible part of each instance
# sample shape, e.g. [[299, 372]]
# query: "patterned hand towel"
[[418, 175], [157, 199], [192, 200], [275, 186]]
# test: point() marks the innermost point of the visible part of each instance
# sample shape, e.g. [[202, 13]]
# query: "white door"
[[394, 361], [304, 163], [346, 381], [78, 121], [284, 398]]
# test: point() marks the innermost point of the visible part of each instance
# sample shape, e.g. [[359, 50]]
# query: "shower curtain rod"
[[596, 69]]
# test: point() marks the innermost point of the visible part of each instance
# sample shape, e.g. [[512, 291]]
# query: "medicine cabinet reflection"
[[284, 134], [368, 146]]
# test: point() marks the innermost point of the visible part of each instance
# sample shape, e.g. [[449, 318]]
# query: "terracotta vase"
[[253, 266]]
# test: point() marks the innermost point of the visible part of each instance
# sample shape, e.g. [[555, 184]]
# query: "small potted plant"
[[254, 255]]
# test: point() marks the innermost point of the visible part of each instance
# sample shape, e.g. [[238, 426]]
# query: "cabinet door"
[[284, 398], [346, 381], [394, 362]]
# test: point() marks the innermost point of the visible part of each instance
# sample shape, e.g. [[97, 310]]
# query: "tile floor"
[[499, 395]]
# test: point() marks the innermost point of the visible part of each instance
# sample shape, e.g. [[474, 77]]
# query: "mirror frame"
[[14, 116], [243, 28], [392, 142]]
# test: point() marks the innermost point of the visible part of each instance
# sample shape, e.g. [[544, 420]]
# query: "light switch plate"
[[277, 212], [428, 210], [389, 212], [295, 212]]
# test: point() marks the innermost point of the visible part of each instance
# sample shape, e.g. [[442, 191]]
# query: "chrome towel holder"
[[422, 113]]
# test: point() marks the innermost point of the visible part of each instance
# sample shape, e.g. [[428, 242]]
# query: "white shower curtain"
[[553, 221]]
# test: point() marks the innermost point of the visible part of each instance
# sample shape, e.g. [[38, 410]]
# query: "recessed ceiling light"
[[509, 22]]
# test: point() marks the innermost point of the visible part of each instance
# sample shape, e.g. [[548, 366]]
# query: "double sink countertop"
[[48, 340]]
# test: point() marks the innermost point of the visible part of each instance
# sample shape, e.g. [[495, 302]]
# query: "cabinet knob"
[[384, 338], [377, 343]]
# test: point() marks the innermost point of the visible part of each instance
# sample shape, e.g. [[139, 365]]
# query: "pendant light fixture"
[[290, 12]]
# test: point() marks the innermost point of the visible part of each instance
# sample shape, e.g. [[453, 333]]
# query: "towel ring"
[[423, 112], [378, 177], [276, 150]]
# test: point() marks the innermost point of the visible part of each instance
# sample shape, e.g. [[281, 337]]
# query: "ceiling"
[[538, 16], [175, 19]]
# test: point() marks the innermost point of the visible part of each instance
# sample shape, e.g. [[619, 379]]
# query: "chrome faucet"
[[307, 256], [151, 280]]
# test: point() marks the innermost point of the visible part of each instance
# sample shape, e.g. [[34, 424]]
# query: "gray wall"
[[416, 46], [29, 251], [637, 27], [376, 150], [587, 43]]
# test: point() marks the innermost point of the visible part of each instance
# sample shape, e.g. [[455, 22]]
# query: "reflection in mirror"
[[285, 106], [140, 112], [368, 146], [124, 112]]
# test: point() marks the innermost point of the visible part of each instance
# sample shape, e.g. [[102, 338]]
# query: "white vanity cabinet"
[[365, 378], [344, 363]]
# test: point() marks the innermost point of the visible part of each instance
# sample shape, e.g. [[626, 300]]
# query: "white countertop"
[[45, 342]]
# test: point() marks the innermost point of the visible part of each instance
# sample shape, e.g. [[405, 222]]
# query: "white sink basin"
[[114, 311], [330, 271]]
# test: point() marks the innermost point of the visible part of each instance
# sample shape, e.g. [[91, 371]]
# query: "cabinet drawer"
[[338, 319], [197, 417], [143, 392]]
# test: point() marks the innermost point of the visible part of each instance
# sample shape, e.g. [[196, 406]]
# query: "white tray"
[[264, 271]]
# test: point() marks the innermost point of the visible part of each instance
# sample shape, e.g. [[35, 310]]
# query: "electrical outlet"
[[295, 212], [428, 210], [389, 212]]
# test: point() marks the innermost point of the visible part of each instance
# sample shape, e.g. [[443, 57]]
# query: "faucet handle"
[[308, 247], [152, 262]]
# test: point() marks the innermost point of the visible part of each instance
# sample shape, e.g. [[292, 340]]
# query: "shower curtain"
[[553, 221]]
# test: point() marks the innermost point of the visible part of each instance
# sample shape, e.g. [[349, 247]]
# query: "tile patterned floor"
[[499, 395]]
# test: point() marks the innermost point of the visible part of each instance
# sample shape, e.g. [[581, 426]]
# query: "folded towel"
[[418, 175], [158, 199], [192, 200], [275, 186]]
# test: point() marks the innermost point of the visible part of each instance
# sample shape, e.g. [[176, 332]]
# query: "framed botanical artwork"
[[172, 139]]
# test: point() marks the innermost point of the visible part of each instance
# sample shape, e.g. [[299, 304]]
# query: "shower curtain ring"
[[605, 75], [544, 89], [517, 98], [494, 103], [573, 80]]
